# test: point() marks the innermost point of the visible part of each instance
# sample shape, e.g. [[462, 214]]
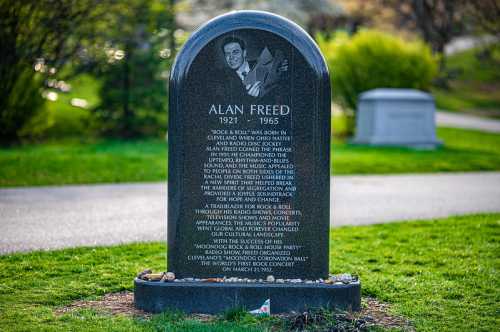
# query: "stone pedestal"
[[396, 117], [213, 298]]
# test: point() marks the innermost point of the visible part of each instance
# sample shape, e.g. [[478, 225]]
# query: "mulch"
[[373, 313]]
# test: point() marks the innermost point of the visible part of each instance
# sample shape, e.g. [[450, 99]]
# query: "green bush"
[[372, 59], [134, 97], [19, 106]]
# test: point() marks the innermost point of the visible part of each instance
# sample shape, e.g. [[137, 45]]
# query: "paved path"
[[466, 121], [463, 43], [58, 217]]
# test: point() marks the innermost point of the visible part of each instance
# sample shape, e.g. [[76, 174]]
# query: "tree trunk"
[[127, 115], [173, 44]]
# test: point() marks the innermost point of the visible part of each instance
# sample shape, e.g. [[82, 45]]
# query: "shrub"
[[133, 97], [372, 59], [19, 106]]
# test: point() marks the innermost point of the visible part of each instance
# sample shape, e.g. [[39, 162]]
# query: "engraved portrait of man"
[[257, 77]]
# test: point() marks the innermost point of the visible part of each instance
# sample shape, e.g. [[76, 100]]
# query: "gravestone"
[[396, 117], [249, 181]]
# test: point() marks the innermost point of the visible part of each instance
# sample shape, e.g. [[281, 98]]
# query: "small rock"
[[270, 278], [296, 281], [345, 278], [211, 280], [309, 282], [280, 281], [169, 276], [140, 275], [368, 318], [260, 280], [153, 276], [189, 279]]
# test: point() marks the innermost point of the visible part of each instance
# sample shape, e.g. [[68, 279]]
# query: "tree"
[[37, 37], [134, 70], [485, 15], [437, 20]]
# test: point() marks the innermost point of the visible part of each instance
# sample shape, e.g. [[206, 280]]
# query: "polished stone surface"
[[249, 135]]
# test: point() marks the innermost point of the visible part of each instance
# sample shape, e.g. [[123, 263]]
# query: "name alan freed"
[[254, 109]]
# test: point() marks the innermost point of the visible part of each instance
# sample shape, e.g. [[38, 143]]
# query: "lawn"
[[475, 84], [73, 162], [463, 151], [108, 161], [440, 274]]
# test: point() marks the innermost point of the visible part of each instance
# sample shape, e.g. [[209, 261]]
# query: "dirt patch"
[[114, 303], [373, 313], [378, 313]]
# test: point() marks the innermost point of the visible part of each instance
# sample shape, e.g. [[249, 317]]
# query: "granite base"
[[214, 298]]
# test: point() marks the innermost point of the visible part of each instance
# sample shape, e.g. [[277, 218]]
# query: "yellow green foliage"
[[372, 59]]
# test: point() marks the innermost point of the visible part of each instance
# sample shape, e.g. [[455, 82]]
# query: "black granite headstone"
[[249, 135], [248, 197]]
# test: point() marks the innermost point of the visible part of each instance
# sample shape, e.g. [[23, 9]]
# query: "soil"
[[373, 313]]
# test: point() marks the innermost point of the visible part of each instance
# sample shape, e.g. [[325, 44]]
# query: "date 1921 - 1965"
[[233, 120]]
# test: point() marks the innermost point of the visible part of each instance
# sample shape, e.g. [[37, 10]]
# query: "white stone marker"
[[396, 117]]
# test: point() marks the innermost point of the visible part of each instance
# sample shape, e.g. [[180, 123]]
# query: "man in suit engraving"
[[258, 77]]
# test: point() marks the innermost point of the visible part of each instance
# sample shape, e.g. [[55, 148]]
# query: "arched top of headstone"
[[249, 19]]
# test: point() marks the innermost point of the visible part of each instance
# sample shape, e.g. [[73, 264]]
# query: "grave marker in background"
[[396, 117]]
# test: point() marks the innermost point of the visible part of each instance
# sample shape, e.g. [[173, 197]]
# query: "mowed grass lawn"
[[443, 275], [139, 161]]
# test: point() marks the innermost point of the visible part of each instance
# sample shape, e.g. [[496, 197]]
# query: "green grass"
[[476, 87], [464, 150], [443, 275], [73, 162]]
